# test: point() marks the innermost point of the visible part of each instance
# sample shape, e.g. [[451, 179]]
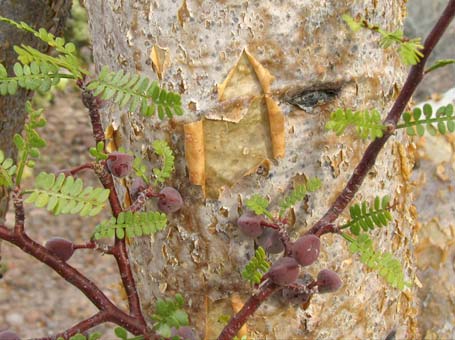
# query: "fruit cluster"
[[301, 253]]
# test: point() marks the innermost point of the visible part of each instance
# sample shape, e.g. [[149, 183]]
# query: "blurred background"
[[34, 301]]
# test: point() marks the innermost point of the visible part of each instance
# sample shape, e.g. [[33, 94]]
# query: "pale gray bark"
[[305, 46]]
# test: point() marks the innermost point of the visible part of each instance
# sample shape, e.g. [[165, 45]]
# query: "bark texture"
[[239, 65], [37, 13]]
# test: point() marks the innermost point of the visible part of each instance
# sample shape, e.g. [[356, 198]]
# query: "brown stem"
[[73, 171], [414, 78], [74, 277], [82, 326], [119, 250], [142, 197], [251, 306]]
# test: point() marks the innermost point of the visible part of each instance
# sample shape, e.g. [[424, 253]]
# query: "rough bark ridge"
[[238, 66]]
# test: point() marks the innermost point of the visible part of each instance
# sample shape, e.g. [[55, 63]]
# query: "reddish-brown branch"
[[142, 197], [251, 306], [414, 78], [82, 326], [74, 277], [73, 171], [119, 250]]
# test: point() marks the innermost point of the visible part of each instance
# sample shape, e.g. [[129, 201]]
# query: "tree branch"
[[414, 78], [119, 250]]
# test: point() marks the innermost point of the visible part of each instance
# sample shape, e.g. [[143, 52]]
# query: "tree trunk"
[[37, 13], [258, 81]]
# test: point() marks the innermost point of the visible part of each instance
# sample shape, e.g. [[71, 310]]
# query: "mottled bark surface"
[[37, 13], [304, 46]]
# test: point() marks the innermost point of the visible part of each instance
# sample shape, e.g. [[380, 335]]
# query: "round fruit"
[[170, 200], [250, 224], [270, 240], [119, 164], [8, 335], [306, 249], [137, 186], [328, 281], [60, 247], [284, 271]]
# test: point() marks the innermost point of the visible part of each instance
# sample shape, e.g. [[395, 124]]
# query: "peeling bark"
[[306, 48]]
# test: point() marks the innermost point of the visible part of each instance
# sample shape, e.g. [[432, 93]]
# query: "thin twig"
[[366, 163]]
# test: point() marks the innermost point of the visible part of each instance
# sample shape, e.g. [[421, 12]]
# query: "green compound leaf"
[[66, 195], [367, 217], [259, 205], [39, 75], [257, 267], [164, 151], [66, 57], [415, 122], [29, 144], [385, 264], [408, 49], [98, 152], [440, 63], [298, 194], [136, 92], [169, 313], [368, 124], [7, 170], [131, 225]]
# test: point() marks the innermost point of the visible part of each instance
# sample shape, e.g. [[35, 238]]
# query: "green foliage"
[[353, 24], [299, 193], [66, 195], [257, 267], [384, 263], [440, 63], [408, 49], [415, 122], [7, 170], [169, 313], [136, 92], [66, 51], [131, 224], [259, 205], [80, 336], [28, 145], [140, 169], [122, 333], [368, 123], [38, 76], [367, 217], [164, 151], [98, 152]]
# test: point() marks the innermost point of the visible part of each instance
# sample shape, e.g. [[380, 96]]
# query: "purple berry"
[[328, 281], [137, 186], [306, 249], [250, 224], [170, 200], [119, 164], [8, 335], [60, 247], [284, 271], [270, 240], [184, 332]]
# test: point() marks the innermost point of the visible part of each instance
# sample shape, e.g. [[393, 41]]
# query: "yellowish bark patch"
[[240, 134]]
